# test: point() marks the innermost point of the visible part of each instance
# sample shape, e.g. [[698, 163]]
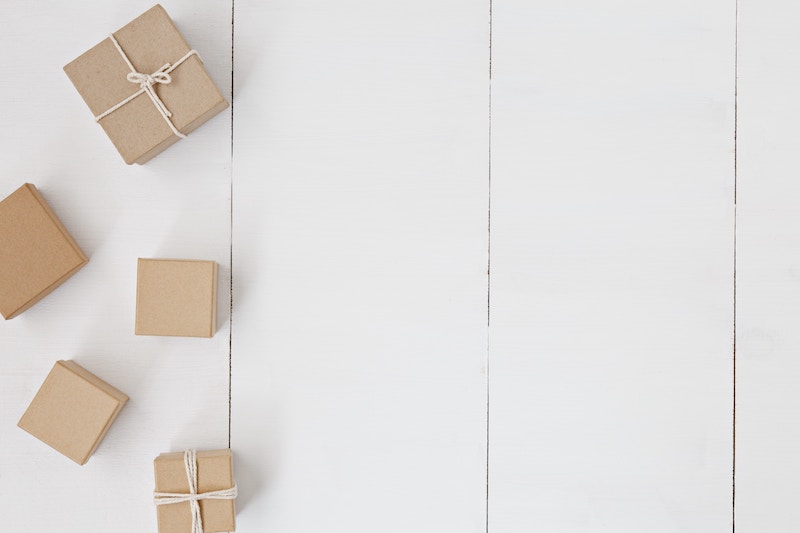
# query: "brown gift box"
[[137, 128], [72, 411], [37, 254], [176, 297], [214, 472]]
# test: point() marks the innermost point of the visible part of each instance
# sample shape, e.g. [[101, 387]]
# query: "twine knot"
[[146, 82], [159, 76], [167, 498]]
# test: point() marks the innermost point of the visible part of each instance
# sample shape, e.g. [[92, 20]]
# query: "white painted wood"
[[360, 256], [175, 206], [359, 259], [612, 255], [768, 269]]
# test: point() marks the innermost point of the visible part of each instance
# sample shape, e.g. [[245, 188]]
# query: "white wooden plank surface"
[[360, 254], [360, 267], [612, 255], [175, 206], [768, 269]]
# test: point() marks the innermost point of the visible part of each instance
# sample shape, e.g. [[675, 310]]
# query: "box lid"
[[37, 253], [72, 411]]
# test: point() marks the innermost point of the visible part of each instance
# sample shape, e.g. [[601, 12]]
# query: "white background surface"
[[386, 368]]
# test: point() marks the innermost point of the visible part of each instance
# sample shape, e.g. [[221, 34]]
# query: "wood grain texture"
[[360, 253], [359, 227], [768, 269], [612, 266], [175, 206]]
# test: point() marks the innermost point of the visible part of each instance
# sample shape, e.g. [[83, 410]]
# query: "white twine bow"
[[168, 498], [147, 84]]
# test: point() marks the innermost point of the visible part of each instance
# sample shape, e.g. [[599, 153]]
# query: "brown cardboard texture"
[[72, 411], [37, 254], [214, 472], [176, 298], [137, 128]]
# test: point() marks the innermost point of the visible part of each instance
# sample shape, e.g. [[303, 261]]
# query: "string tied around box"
[[193, 497], [147, 83]]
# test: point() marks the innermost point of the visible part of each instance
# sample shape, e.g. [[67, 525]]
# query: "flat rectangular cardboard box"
[[137, 129], [214, 472], [176, 297], [37, 253], [72, 411]]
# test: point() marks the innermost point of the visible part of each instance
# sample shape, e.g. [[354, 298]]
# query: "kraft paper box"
[[214, 473], [72, 411], [37, 253], [176, 298], [162, 69]]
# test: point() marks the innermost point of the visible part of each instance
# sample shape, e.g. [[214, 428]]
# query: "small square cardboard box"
[[176, 298], [146, 86], [72, 411], [37, 253], [214, 472]]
